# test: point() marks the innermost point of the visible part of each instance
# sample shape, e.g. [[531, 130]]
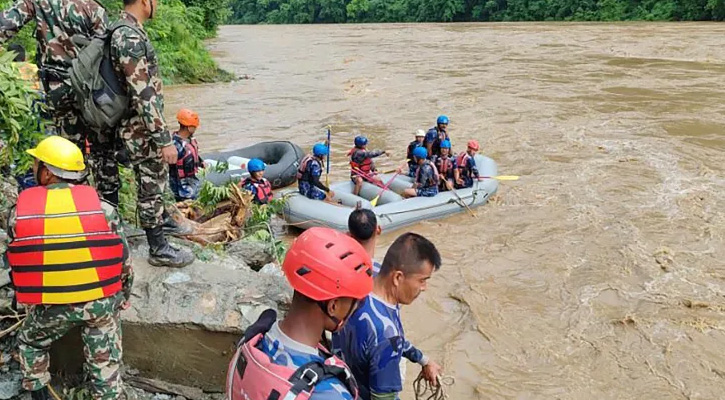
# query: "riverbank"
[[182, 326]]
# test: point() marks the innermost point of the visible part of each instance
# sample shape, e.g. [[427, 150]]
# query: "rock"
[[10, 385], [164, 388], [177, 277], [272, 269], [255, 254], [8, 196]]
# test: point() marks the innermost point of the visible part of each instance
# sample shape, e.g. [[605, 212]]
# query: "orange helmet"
[[473, 144], [187, 117]]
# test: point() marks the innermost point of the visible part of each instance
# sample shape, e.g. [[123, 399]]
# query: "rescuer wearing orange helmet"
[[69, 265], [182, 175]]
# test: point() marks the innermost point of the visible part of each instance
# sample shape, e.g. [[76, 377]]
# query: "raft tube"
[[392, 210], [282, 159]]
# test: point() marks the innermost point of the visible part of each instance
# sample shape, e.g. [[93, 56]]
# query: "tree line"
[[361, 11]]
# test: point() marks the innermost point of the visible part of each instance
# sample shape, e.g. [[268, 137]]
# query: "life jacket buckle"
[[314, 374]]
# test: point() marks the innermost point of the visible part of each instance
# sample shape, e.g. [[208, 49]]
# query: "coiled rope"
[[423, 388]]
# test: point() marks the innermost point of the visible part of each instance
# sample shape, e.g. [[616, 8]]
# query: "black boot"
[[162, 254], [42, 394], [111, 197]]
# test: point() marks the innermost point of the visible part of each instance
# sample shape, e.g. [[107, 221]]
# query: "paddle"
[[374, 201], [501, 177], [327, 174], [370, 178], [450, 187]]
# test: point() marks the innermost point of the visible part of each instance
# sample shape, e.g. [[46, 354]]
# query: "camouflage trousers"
[[152, 177], [102, 158], [101, 333]]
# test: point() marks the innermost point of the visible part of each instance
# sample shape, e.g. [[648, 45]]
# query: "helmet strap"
[[36, 175], [338, 322]]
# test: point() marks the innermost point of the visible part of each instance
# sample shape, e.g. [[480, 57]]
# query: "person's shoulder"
[[369, 317], [331, 389]]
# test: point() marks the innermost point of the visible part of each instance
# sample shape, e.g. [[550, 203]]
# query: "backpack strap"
[[263, 325], [309, 375]]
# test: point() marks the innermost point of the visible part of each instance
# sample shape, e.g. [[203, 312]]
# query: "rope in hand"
[[437, 392]]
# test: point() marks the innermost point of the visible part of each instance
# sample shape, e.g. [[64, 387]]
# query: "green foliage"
[[335, 11], [213, 12], [127, 195], [211, 195], [77, 393], [20, 124], [25, 38], [258, 227], [177, 32]]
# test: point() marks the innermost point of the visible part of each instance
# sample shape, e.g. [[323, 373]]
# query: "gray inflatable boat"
[[392, 210], [282, 159]]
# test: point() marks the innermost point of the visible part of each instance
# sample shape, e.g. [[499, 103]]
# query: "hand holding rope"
[[437, 392]]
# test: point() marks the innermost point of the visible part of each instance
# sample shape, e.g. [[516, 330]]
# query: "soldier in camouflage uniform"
[[148, 141], [57, 21], [46, 323]]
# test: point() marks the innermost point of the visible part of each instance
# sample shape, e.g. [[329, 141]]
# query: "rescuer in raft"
[[309, 173], [426, 180], [445, 164], [418, 142], [261, 188], [466, 170], [69, 265], [362, 167]]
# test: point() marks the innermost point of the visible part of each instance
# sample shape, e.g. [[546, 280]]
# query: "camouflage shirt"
[[56, 22], [136, 64], [114, 222]]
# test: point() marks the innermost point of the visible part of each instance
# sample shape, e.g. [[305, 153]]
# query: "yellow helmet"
[[60, 153]]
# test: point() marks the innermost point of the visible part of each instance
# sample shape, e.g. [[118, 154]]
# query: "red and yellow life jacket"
[[366, 166], [264, 190], [63, 250]]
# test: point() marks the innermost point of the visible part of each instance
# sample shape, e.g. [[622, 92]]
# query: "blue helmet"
[[320, 150], [256, 165], [420, 152], [442, 119], [360, 141], [446, 144]]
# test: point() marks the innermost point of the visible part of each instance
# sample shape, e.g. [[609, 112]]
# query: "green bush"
[[20, 124], [177, 32]]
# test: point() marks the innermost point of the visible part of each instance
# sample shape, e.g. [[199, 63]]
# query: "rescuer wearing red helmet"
[[466, 169], [330, 273]]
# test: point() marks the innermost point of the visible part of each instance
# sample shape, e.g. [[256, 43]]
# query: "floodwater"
[[601, 273]]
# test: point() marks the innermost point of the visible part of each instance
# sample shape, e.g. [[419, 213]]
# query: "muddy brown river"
[[601, 273]]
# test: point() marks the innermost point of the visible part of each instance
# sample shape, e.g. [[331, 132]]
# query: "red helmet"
[[325, 264], [473, 144]]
